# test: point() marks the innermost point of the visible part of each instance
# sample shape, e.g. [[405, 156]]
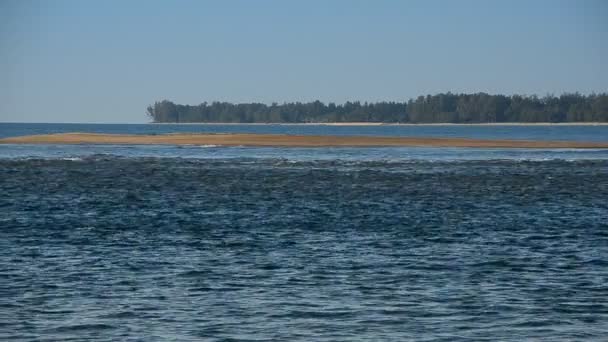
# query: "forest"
[[440, 108]]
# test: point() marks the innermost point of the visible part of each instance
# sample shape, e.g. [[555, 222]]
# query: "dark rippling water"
[[106, 248]]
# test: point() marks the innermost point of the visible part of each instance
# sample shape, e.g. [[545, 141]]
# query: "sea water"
[[161, 243]]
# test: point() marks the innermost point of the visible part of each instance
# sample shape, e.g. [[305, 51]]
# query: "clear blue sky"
[[105, 61]]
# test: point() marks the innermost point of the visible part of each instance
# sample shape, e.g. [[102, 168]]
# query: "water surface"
[[157, 243], [108, 247]]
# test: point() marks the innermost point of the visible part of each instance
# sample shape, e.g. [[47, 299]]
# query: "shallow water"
[[380, 154], [107, 247]]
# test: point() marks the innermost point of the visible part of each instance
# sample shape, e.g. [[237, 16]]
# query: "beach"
[[283, 140], [367, 123]]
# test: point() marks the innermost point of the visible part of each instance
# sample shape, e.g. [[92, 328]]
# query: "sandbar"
[[281, 140]]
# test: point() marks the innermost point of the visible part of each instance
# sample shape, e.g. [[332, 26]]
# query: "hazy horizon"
[[104, 62]]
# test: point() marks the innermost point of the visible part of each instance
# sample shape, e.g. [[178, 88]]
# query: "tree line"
[[440, 108]]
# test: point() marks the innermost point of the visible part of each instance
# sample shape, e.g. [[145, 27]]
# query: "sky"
[[105, 61]]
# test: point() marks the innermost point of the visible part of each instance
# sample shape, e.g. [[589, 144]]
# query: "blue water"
[[385, 154], [571, 133], [158, 243]]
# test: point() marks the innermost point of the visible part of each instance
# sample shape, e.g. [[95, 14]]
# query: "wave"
[[347, 165]]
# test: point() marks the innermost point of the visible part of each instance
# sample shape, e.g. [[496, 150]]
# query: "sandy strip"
[[481, 124], [287, 141]]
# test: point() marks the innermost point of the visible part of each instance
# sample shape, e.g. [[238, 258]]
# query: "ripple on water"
[[266, 249]]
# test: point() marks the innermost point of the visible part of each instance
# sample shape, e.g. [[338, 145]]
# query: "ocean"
[[161, 243]]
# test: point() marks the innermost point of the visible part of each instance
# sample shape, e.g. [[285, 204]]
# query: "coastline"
[[322, 123], [280, 140], [386, 124]]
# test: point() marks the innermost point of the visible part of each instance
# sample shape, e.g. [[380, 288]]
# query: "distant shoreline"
[[386, 124], [322, 123], [282, 140], [447, 107]]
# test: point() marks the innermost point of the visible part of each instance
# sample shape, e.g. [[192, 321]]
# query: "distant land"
[[440, 108]]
